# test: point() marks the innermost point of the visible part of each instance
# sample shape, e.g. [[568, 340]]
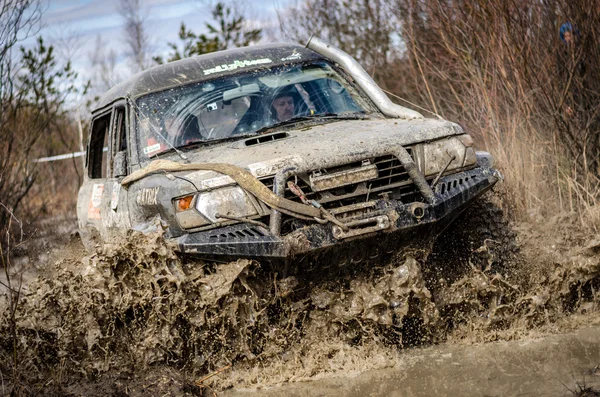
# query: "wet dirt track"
[[542, 366], [134, 318]]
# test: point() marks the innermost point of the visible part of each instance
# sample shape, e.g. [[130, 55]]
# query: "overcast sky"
[[84, 20]]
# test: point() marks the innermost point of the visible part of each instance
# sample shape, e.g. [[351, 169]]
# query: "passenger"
[[181, 130]]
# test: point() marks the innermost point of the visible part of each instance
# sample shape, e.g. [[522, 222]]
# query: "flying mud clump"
[[137, 306]]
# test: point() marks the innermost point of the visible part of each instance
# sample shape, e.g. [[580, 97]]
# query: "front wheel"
[[481, 236]]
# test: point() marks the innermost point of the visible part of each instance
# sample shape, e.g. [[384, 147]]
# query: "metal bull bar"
[[403, 156], [279, 189], [415, 175], [276, 198]]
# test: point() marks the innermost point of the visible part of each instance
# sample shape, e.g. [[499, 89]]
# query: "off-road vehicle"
[[272, 151]]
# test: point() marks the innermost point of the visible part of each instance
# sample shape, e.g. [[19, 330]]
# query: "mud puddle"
[[550, 365], [135, 317], [51, 239]]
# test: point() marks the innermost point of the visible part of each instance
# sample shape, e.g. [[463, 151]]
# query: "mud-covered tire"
[[481, 236]]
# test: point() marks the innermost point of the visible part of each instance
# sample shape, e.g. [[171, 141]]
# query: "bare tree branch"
[[136, 38]]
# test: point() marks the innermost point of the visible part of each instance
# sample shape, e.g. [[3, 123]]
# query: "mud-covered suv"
[[272, 151]]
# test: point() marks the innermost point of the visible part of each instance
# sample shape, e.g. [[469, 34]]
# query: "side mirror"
[[120, 164]]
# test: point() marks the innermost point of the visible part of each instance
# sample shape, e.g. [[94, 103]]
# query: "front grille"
[[392, 182], [391, 171]]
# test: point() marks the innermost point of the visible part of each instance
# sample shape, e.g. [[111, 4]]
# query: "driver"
[[283, 106]]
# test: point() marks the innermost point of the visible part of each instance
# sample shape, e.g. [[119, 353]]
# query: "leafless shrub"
[[136, 36], [34, 123], [502, 70], [12, 283]]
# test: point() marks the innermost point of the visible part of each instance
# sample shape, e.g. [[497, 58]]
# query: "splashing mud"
[[138, 308]]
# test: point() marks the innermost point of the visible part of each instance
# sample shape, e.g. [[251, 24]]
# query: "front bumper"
[[404, 223]]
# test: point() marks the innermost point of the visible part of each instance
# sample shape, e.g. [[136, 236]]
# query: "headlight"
[[438, 153], [232, 201], [201, 209], [186, 214]]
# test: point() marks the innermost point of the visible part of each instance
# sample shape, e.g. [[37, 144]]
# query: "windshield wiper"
[[293, 120], [326, 116], [179, 149]]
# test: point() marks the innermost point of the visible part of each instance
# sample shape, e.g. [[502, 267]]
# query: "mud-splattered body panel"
[[236, 177]]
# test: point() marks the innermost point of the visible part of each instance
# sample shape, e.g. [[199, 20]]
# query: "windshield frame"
[[361, 100]]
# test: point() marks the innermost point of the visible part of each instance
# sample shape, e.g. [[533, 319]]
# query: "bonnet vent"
[[266, 138]]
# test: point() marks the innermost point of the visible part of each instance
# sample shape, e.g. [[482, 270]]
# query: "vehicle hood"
[[313, 147]]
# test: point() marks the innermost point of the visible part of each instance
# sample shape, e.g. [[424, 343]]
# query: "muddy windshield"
[[241, 105]]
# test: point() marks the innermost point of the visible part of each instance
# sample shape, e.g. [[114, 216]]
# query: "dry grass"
[[501, 70]]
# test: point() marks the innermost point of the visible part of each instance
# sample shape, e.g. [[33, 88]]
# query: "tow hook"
[[362, 226], [417, 210]]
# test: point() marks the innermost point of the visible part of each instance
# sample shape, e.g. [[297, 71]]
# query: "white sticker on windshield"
[[152, 148], [211, 106], [235, 65]]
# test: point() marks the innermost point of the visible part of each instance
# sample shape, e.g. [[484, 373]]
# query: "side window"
[[120, 124], [98, 150], [119, 144]]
